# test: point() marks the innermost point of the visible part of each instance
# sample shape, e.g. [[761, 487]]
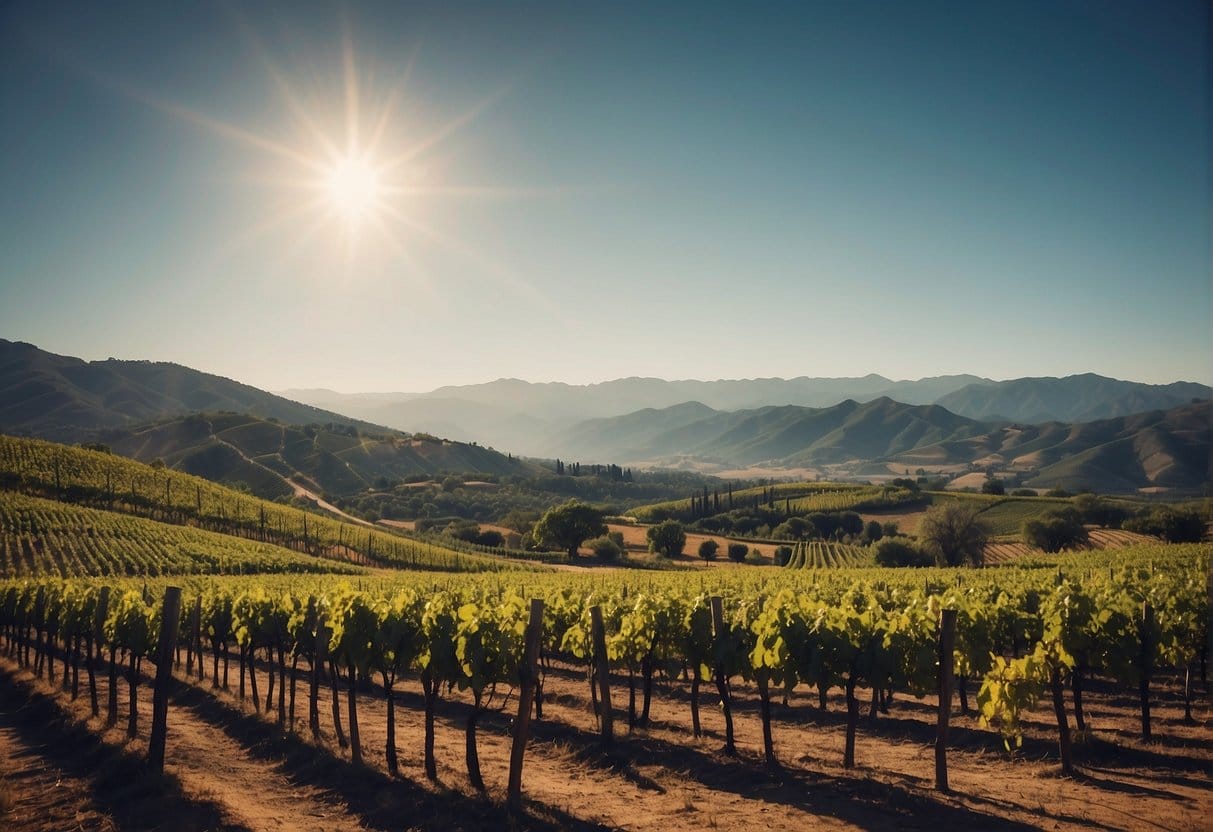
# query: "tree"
[[565, 526], [783, 554], [872, 531], [1055, 530], [1099, 512], [708, 549], [993, 485], [738, 551], [1171, 524], [953, 534], [900, 552], [605, 549], [668, 538], [520, 520]]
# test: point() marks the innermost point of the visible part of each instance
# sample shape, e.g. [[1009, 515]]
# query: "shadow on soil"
[[119, 782], [379, 800]]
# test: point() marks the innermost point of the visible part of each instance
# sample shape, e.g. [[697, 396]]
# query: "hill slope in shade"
[[1164, 448], [789, 435], [1080, 398], [236, 448], [68, 399]]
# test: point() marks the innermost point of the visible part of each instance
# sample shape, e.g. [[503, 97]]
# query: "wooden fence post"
[[947, 643], [169, 618], [603, 670], [526, 697]]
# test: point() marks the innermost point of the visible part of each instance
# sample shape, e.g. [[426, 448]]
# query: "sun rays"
[[349, 171]]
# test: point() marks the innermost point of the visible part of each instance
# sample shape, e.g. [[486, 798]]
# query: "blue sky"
[[589, 191]]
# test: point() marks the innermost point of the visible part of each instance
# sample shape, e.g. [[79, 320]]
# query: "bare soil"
[[635, 542], [231, 767]]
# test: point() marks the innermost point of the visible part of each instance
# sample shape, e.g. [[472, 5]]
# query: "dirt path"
[[39, 794], [63, 774], [320, 502], [658, 777], [299, 490]]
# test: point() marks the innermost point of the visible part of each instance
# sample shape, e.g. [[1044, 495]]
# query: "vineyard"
[[864, 498], [43, 537], [868, 635], [115, 483], [744, 497], [818, 554], [166, 610], [1005, 551]]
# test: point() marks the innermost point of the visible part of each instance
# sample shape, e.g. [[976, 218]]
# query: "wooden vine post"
[[98, 638], [1146, 665], [947, 643], [722, 681], [319, 657], [169, 619], [528, 674], [603, 671], [1208, 653]]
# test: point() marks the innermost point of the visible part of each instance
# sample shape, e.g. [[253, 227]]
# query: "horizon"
[[284, 391], [382, 199]]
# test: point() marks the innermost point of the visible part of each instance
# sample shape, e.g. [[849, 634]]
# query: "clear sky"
[[401, 196]]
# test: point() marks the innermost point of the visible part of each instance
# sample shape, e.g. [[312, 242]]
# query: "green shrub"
[[605, 549], [783, 554], [1171, 524], [900, 552], [667, 539], [1055, 530]]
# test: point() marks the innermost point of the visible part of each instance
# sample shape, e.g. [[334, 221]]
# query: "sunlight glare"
[[353, 188]]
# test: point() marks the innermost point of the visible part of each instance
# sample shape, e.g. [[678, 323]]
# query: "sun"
[[353, 188]]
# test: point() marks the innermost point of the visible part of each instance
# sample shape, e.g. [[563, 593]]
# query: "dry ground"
[[230, 767]]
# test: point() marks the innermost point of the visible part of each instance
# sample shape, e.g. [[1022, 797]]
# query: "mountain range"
[[69, 400], [1160, 448], [218, 428], [1080, 430], [531, 418]]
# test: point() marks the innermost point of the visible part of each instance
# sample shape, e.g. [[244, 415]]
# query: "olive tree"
[[953, 533], [566, 526]]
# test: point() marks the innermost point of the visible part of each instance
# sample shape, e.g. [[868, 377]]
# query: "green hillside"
[[333, 459], [116, 483], [46, 537], [69, 400]]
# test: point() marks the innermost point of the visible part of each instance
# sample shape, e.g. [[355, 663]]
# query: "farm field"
[[503, 417], [219, 743], [636, 543], [807, 747]]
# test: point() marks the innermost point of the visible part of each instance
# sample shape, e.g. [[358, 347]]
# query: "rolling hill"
[[1080, 398], [67, 399], [336, 460], [218, 428], [1162, 448], [787, 436]]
